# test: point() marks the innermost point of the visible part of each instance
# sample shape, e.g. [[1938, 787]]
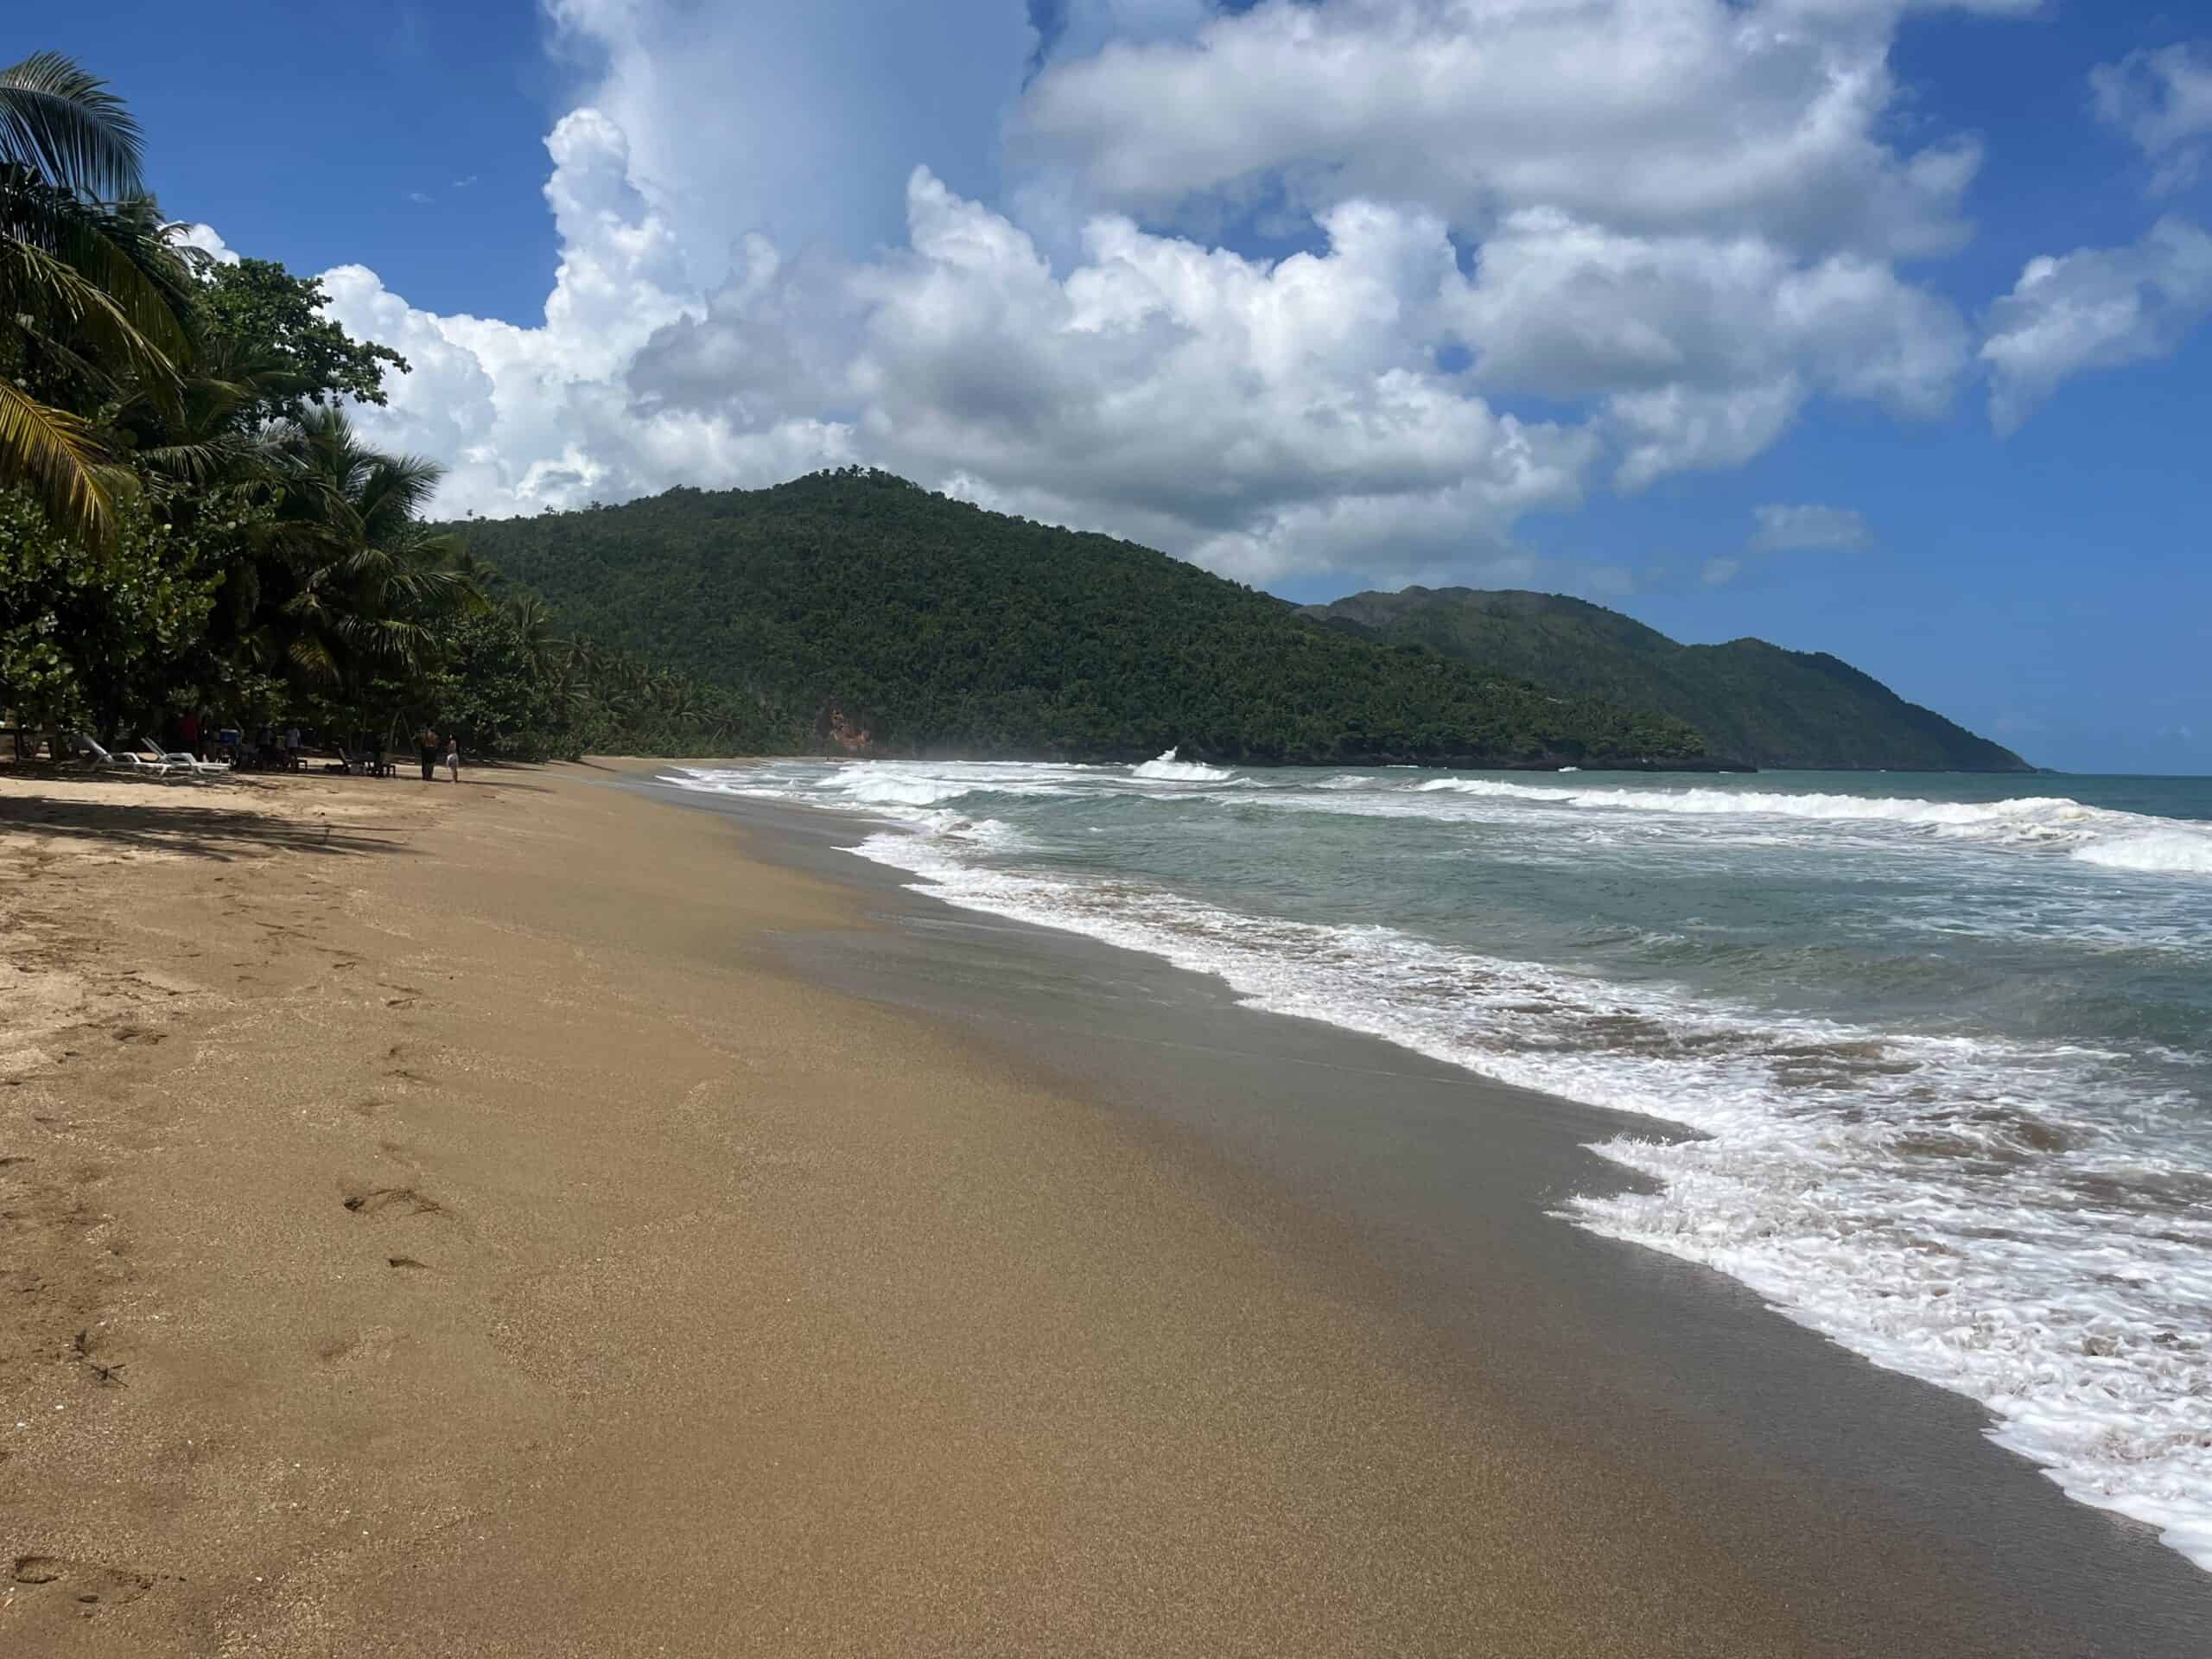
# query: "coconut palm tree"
[[371, 588], [92, 289], [533, 626], [202, 432]]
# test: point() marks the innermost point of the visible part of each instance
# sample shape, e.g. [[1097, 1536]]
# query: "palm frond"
[[313, 657], [62, 123], [54, 287], [397, 490], [208, 460], [55, 453]]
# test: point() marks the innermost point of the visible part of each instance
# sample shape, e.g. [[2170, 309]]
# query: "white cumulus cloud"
[[2094, 308], [525, 418], [2163, 100], [1722, 118], [1808, 529], [204, 238], [1698, 351], [799, 122], [1546, 247]]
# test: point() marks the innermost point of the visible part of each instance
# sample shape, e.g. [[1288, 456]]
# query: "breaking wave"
[[2094, 835], [2175, 852], [1169, 770]]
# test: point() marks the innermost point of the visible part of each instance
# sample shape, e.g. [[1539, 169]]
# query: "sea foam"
[[1169, 770], [2094, 835], [2175, 852]]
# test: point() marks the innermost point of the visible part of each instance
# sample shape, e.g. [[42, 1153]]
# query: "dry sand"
[[432, 1220]]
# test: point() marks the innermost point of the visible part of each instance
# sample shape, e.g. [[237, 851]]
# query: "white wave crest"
[[2175, 852], [917, 794], [1168, 769], [892, 789], [2031, 813], [2094, 835], [925, 783]]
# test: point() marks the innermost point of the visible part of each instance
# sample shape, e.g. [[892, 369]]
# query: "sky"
[[1873, 326]]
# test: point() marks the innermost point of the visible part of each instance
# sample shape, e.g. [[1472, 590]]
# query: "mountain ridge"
[[865, 614], [1755, 702]]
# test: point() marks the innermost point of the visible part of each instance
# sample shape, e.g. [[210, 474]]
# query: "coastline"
[[798, 1265]]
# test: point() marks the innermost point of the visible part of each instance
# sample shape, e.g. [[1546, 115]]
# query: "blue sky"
[[1550, 367]]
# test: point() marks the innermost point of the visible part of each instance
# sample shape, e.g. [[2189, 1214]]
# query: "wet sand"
[[524, 1218]]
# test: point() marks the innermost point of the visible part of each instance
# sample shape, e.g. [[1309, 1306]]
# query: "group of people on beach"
[[426, 745], [273, 744], [281, 745]]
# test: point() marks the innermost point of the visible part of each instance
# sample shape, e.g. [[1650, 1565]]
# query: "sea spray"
[[1168, 769]]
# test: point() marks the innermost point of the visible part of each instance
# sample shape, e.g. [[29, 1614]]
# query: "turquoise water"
[[1947, 1041]]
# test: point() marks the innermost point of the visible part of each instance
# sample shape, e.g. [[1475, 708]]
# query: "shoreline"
[[542, 1222], [1412, 1195]]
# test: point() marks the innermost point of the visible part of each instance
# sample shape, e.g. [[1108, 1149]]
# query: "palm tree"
[[201, 432], [533, 625], [91, 288], [371, 588]]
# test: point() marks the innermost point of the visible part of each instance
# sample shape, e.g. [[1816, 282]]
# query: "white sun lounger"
[[134, 765], [183, 762]]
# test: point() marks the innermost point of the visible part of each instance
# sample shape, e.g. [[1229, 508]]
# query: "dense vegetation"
[[189, 525], [862, 612], [1754, 702]]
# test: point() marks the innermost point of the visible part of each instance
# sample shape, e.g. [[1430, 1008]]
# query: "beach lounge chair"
[[183, 762], [133, 764]]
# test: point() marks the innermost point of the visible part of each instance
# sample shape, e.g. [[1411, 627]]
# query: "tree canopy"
[[863, 612], [189, 521], [306, 360], [1755, 703]]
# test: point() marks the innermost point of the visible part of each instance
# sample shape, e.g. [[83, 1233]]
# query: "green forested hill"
[[1754, 702], [864, 611]]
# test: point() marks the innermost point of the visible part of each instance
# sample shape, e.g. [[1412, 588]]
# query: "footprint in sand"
[[107, 1373], [94, 1585], [404, 1073], [405, 1200]]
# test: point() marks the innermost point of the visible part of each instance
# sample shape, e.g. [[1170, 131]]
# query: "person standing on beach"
[[426, 746], [452, 755]]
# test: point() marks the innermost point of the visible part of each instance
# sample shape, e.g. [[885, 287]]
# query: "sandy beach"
[[524, 1217]]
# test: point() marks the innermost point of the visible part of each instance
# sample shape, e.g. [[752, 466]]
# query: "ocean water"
[[1947, 1040]]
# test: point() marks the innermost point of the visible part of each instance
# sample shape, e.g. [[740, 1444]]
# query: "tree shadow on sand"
[[475, 780], [199, 828]]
